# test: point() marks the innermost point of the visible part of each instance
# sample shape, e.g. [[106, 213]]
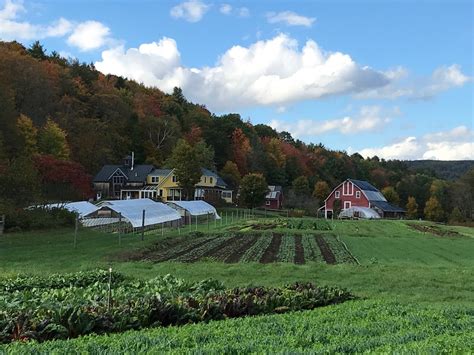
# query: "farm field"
[[419, 284], [260, 247]]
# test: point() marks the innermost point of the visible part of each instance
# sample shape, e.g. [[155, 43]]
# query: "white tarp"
[[132, 210], [359, 212], [196, 208], [82, 208]]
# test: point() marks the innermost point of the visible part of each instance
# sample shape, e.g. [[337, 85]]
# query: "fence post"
[[196, 223], [143, 225], [162, 231], [76, 221], [208, 221], [2, 224], [120, 229]]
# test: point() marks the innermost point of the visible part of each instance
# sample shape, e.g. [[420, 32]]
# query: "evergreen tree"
[[52, 141], [301, 186], [253, 189], [37, 51], [456, 215], [412, 208]]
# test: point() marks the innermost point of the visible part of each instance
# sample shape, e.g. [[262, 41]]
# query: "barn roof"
[[364, 185], [386, 206]]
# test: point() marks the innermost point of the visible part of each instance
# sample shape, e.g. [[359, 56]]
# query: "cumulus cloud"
[[457, 144], [402, 85], [227, 9], [369, 118], [89, 35], [13, 28], [290, 18], [191, 11], [243, 12], [270, 72]]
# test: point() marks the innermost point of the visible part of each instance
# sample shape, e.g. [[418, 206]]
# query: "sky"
[[386, 78]]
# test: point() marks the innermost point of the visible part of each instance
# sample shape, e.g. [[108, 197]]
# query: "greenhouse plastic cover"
[[132, 210], [196, 208], [364, 212], [82, 208]]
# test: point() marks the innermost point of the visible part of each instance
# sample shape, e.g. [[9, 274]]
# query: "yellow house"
[[163, 184]]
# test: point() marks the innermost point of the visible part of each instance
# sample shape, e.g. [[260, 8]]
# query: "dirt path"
[[271, 253], [326, 251], [299, 250], [235, 257]]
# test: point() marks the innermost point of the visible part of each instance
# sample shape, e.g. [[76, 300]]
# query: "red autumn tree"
[[63, 180]]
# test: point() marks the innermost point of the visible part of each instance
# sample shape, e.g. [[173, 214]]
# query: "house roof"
[[138, 174], [219, 181], [274, 192], [161, 172], [386, 206]]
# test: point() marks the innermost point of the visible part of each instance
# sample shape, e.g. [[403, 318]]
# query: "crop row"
[[255, 252], [201, 250], [286, 253], [42, 314], [311, 249], [340, 253], [352, 327]]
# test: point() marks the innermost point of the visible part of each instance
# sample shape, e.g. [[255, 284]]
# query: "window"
[[210, 180], [337, 194], [267, 203], [205, 179], [161, 192], [175, 179], [155, 179], [357, 194]]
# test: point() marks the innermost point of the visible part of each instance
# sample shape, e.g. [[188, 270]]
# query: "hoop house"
[[194, 208], [132, 211], [359, 212]]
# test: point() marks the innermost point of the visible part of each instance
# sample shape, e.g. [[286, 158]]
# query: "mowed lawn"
[[397, 262]]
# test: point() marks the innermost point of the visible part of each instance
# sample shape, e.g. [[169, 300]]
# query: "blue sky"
[[392, 78]]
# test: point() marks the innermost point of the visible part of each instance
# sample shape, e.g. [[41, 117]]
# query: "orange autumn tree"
[[241, 148]]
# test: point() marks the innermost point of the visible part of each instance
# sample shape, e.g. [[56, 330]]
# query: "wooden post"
[[208, 221], [120, 229], [232, 219], [143, 225], [2, 224], [109, 296], [196, 223], [162, 231], [76, 222]]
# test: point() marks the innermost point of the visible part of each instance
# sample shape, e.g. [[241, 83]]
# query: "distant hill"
[[444, 169]]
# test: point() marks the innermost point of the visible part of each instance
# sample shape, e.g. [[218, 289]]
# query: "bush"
[[37, 218]]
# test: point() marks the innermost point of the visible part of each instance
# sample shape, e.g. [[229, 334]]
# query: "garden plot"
[[285, 223], [261, 247]]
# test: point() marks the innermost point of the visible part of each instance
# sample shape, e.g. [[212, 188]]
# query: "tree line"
[[61, 120]]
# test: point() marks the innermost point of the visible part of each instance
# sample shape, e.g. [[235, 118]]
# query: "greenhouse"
[[359, 212], [136, 213], [194, 208], [82, 208]]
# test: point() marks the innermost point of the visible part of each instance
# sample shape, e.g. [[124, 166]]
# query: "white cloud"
[[13, 28], [227, 9], [402, 85], [290, 18], [369, 118], [457, 144], [191, 11], [89, 35], [271, 72], [243, 12]]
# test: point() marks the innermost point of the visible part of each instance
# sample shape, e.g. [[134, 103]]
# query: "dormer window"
[[337, 194], [175, 179]]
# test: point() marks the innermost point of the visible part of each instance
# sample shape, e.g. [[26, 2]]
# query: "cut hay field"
[[413, 275]]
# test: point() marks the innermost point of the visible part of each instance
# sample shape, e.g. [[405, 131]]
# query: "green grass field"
[[399, 265]]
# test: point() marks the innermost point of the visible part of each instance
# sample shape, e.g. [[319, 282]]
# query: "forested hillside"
[[444, 169], [61, 120]]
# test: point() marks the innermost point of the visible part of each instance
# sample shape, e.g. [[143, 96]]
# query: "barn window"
[[267, 203], [338, 194], [357, 194]]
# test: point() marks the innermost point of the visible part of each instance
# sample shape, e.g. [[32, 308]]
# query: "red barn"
[[274, 198], [352, 193]]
